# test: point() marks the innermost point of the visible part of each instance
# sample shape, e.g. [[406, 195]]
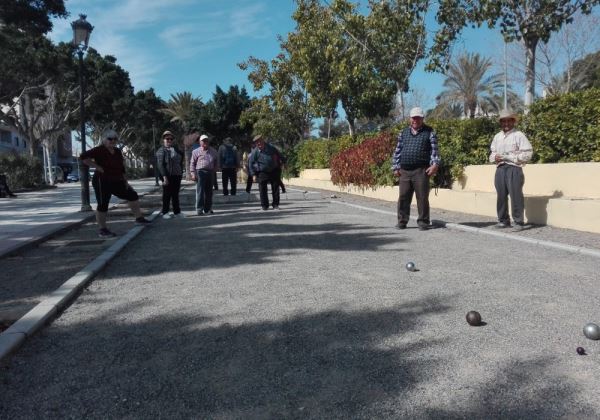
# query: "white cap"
[[416, 112], [109, 133], [203, 137]]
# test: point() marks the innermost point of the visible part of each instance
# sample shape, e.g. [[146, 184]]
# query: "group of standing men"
[[416, 159]]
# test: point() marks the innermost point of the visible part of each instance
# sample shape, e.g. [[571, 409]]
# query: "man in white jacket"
[[510, 151]]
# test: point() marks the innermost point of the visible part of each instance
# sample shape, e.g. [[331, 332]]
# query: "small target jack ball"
[[581, 351], [473, 318], [592, 331], [410, 266]]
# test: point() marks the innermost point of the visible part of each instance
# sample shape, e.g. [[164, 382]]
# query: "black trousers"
[[416, 182], [277, 173], [229, 176], [171, 194], [264, 179], [249, 183]]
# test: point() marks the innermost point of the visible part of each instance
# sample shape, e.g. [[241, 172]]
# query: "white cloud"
[[217, 30]]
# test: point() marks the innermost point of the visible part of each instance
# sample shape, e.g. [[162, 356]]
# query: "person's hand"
[[432, 170], [100, 169], [165, 180], [193, 177], [397, 173], [498, 158], [255, 178]]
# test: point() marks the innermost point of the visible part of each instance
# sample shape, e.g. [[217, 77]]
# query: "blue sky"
[[194, 45]]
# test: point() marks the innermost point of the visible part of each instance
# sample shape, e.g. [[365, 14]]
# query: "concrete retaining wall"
[[564, 195]]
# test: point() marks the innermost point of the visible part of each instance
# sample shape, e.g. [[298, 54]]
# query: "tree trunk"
[[350, 126], [530, 47]]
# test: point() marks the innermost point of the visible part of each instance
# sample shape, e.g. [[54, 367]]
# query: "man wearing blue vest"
[[416, 158]]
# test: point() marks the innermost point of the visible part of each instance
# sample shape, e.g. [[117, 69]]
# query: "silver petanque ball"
[[592, 331], [410, 266]]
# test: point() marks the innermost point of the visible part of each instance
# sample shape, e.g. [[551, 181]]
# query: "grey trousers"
[[415, 182], [509, 181]]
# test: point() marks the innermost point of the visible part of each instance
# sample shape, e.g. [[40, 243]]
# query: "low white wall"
[[544, 207]]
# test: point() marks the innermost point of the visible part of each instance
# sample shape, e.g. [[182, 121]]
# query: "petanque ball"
[[410, 266], [592, 331], [581, 351], [473, 318]]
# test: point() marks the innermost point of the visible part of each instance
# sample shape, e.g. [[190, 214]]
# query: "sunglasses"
[[112, 138]]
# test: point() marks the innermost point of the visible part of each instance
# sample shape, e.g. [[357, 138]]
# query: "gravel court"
[[308, 312]]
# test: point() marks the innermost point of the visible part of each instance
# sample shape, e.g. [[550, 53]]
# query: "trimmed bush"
[[22, 171], [565, 128]]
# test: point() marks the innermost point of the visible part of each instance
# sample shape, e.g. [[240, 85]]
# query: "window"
[[5, 137]]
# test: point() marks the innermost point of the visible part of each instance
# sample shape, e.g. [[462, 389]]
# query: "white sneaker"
[[166, 216], [179, 216]]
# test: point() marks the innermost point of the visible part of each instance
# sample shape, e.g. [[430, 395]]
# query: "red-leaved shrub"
[[359, 165]]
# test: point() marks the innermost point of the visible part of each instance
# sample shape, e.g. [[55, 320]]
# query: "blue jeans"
[[204, 192]]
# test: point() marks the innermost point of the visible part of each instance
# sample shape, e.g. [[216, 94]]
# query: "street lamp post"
[[81, 36]]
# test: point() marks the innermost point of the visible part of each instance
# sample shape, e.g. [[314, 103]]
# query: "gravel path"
[[308, 312]]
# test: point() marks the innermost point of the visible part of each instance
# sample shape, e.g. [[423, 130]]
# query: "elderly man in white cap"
[[510, 151], [203, 167], [109, 179], [416, 158]]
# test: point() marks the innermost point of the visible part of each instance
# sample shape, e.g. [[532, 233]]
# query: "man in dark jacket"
[[416, 158], [169, 160], [229, 161], [264, 162]]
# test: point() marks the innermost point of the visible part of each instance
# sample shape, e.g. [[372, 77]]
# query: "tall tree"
[[527, 21], [283, 113], [468, 83], [221, 115], [183, 109], [334, 66]]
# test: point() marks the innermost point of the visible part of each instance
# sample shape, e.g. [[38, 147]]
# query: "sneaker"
[[502, 225], [179, 216], [275, 207], [199, 213], [209, 212], [166, 216], [105, 233], [142, 221], [518, 227], [423, 227], [265, 208], [400, 226]]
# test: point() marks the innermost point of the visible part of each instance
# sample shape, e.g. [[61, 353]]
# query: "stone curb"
[[441, 223], [68, 225], [57, 301]]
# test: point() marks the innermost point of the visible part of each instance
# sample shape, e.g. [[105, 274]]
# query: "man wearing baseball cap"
[[510, 151], [203, 167], [415, 159], [109, 179]]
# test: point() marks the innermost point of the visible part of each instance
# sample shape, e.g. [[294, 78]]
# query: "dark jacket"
[[167, 165], [266, 160]]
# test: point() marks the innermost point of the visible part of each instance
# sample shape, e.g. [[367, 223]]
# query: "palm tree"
[[182, 108], [467, 84]]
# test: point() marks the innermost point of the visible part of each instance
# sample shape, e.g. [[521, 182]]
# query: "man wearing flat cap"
[[415, 159], [263, 164], [510, 151]]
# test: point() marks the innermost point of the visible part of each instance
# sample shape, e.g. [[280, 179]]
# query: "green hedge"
[[565, 128], [561, 129], [22, 171]]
